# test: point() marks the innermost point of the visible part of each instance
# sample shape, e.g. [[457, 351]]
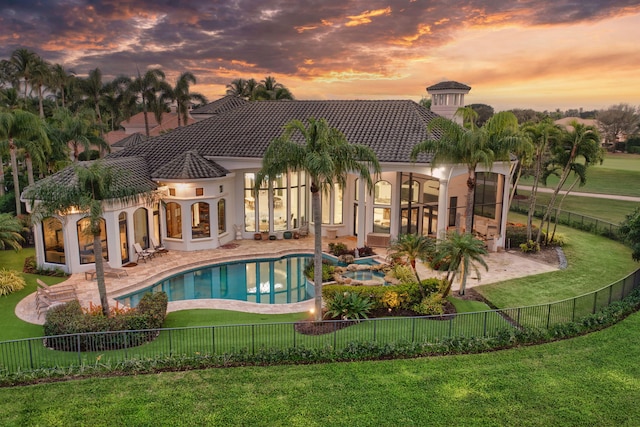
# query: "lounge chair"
[[108, 270], [58, 293], [142, 254], [160, 249], [304, 230]]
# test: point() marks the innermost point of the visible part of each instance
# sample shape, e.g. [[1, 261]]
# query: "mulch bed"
[[230, 246], [310, 327]]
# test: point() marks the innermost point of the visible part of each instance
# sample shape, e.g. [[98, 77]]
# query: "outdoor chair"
[[58, 293], [160, 249], [304, 230], [142, 254], [108, 270]]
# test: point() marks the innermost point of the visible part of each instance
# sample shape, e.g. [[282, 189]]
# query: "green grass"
[[590, 380], [608, 210], [617, 175], [593, 262]]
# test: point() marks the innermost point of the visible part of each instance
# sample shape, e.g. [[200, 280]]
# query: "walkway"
[[502, 266]]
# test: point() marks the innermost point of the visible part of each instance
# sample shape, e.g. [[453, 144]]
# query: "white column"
[[443, 204], [506, 189], [362, 213]]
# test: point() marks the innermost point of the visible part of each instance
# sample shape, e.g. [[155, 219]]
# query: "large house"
[[205, 174]]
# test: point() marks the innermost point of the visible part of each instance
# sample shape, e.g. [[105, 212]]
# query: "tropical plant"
[[326, 157], [77, 130], [10, 281], [574, 152], [93, 89], [349, 305], [460, 252], [470, 146], [630, 229], [183, 96], [94, 186], [21, 129], [413, 247], [146, 86], [10, 229], [59, 81], [22, 63]]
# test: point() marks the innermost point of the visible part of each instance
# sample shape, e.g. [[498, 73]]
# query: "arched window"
[[200, 222], [222, 216], [53, 237], [382, 193], [85, 241], [382, 213], [141, 227], [174, 220]]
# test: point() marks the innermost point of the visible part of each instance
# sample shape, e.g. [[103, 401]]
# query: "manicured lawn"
[[590, 380], [593, 262], [608, 210], [617, 175]]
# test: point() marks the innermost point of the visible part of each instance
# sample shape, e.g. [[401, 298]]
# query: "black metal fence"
[[75, 350], [572, 219]]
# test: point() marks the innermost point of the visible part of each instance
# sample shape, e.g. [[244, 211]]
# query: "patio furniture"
[[160, 249], [304, 230], [58, 293], [142, 254], [108, 270]]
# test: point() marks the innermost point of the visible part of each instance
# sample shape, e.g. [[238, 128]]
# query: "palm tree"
[[269, 89], [470, 146], [59, 81], [93, 88], [117, 99], [77, 130], [326, 157], [460, 252], [10, 229], [183, 96], [237, 88], [581, 143], [41, 74], [146, 86], [413, 247], [23, 61], [542, 135], [96, 185], [15, 126]]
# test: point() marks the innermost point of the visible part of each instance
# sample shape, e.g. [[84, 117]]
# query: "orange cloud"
[[365, 17], [303, 28]]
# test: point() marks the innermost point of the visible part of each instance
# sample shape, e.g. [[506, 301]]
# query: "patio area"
[[502, 266]]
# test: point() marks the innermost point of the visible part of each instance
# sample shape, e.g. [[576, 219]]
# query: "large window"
[[332, 205], [485, 194], [222, 216], [141, 227], [200, 222], [53, 237], [381, 213], [280, 219], [382, 193], [174, 220], [85, 241], [124, 239], [249, 202], [410, 192]]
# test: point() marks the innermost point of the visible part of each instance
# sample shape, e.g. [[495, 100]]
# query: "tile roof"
[[221, 105], [131, 172], [449, 85], [129, 140], [189, 165], [390, 128]]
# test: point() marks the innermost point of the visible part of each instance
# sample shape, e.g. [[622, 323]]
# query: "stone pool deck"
[[502, 266]]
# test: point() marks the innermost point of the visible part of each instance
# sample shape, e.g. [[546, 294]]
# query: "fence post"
[[484, 327], [573, 314], [595, 302], [170, 343], [413, 329], [375, 330], [549, 316], [213, 339], [293, 328], [253, 339], [335, 335], [610, 294], [30, 355], [78, 348]]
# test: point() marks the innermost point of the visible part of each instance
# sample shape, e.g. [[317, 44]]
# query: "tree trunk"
[[41, 107], [144, 113], [316, 204], [29, 162], [555, 224], [463, 277], [471, 185], [1, 177], [178, 112], [533, 196], [102, 287], [14, 172]]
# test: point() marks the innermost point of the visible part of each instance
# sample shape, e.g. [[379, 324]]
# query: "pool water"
[[263, 281], [364, 275]]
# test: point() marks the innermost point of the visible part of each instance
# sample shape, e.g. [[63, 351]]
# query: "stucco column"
[[443, 211], [362, 213], [506, 190]]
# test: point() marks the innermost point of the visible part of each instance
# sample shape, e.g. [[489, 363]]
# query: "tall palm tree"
[[183, 96], [15, 126], [146, 86], [326, 156], [413, 247], [542, 135], [96, 185], [573, 152], [460, 252], [41, 74], [10, 229], [270, 89], [118, 101], [23, 61], [59, 81], [237, 88], [93, 88]]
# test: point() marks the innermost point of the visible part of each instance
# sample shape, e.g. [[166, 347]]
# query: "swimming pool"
[[263, 281]]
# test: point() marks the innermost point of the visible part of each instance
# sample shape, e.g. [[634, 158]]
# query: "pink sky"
[[514, 54]]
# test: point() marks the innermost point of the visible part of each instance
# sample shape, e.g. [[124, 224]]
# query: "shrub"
[[69, 318], [432, 304], [410, 293], [404, 273], [517, 233], [338, 249], [349, 305], [31, 267], [327, 270], [530, 246], [392, 299], [10, 281]]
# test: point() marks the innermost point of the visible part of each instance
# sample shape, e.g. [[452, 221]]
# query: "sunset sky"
[[513, 53]]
